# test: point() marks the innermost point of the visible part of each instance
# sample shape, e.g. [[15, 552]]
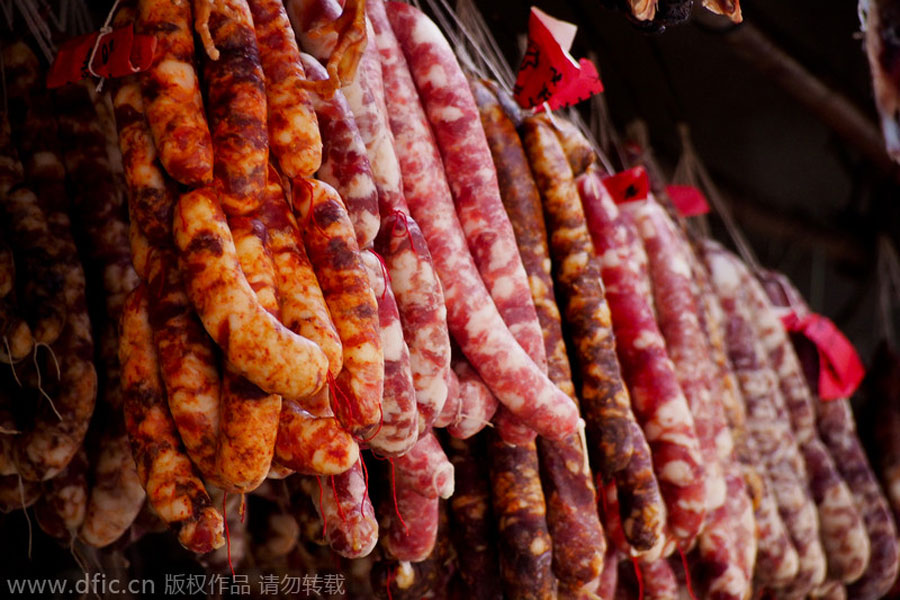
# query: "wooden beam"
[[833, 108]]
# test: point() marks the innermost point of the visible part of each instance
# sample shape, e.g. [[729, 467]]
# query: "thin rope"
[[12, 364], [25, 510], [105, 30], [40, 387]]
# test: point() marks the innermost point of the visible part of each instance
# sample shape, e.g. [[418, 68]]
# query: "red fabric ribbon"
[[840, 369]]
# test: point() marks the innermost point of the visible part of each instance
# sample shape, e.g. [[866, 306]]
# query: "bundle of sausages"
[[340, 266]]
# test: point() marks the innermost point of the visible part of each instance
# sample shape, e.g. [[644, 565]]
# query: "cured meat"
[[776, 557], [18, 341], [172, 100], [151, 197], [729, 8], [263, 350], [433, 577], [660, 582], [423, 314], [450, 413], [12, 172], [730, 526], [248, 428], [16, 494], [879, 24], [767, 423], [414, 281], [477, 404], [335, 257], [345, 165], [414, 538], [59, 429], [678, 319], [658, 402], [837, 427], [609, 579], [633, 506], [579, 151], [351, 528], [294, 136], [39, 260], [842, 529], [248, 424], [425, 469], [605, 402], [400, 418], [7, 270], [473, 523], [95, 197], [61, 508], [174, 489], [471, 315], [116, 496], [236, 103], [303, 308], [313, 445], [334, 36], [453, 114], [830, 590], [604, 398], [571, 502], [526, 569], [187, 360]]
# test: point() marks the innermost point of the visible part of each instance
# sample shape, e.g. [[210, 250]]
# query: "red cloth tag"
[[688, 200], [119, 53], [548, 72], [840, 370], [628, 186]]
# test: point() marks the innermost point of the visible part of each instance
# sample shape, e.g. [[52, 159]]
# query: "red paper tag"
[[628, 186], [688, 200], [840, 370], [548, 72], [119, 53]]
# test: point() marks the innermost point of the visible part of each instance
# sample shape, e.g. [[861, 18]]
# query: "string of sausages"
[[307, 291]]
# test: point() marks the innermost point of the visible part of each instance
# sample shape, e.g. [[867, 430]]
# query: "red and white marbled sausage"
[[345, 164], [425, 469], [472, 317], [453, 114], [657, 399], [400, 417]]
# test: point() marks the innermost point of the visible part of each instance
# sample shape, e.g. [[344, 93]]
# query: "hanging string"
[[227, 532], [490, 63], [638, 576], [38, 27], [6, 6], [718, 202], [475, 23], [104, 31], [25, 512]]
